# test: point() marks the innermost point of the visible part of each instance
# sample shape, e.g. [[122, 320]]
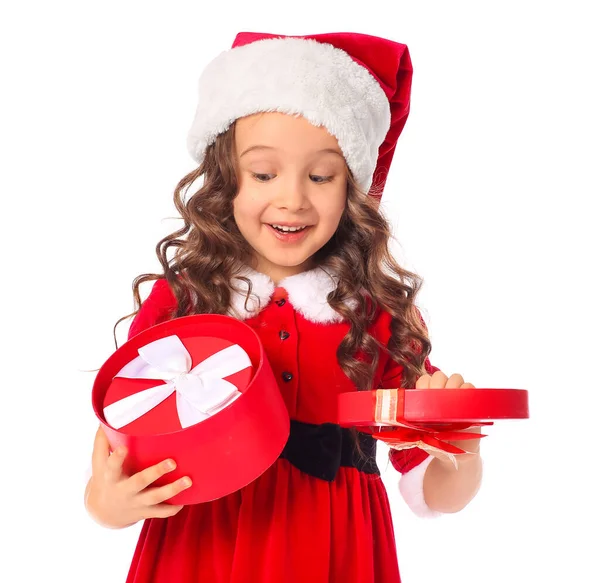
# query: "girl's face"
[[292, 190]]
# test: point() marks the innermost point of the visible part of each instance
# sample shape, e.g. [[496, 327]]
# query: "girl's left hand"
[[438, 380]]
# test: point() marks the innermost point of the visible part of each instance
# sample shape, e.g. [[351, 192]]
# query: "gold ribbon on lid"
[[389, 407], [388, 402]]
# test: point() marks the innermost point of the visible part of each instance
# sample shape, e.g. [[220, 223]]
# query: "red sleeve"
[[392, 373], [405, 460], [429, 367], [157, 308]]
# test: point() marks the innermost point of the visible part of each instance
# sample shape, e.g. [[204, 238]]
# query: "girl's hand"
[[117, 500], [438, 380]]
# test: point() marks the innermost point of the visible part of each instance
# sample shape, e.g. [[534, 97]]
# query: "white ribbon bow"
[[201, 391]]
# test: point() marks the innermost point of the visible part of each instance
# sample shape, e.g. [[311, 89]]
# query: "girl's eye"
[[321, 179], [263, 177], [267, 177]]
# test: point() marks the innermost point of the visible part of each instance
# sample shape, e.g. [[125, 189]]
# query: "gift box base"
[[224, 452]]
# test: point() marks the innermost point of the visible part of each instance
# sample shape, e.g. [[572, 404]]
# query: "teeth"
[[288, 229]]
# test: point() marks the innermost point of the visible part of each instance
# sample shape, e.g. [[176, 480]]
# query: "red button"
[[280, 296]]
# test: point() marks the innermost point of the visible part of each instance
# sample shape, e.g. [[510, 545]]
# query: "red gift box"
[[429, 418], [200, 390], [431, 406]]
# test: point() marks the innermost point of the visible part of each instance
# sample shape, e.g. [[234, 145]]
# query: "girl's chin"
[[287, 262], [294, 260]]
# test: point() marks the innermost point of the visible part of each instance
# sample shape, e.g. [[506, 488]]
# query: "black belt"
[[320, 450]]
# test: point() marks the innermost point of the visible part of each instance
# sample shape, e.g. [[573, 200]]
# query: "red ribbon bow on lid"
[[432, 438]]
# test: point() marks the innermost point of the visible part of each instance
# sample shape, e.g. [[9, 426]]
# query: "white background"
[[492, 190]]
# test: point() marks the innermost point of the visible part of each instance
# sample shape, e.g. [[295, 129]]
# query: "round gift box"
[[224, 452], [434, 406]]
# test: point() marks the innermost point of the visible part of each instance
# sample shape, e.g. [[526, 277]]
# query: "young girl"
[[294, 137]]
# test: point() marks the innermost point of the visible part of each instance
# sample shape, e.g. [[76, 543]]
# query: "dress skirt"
[[285, 527]]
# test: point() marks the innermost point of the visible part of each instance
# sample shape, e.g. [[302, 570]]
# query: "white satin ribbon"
[[201, 391], [431, 450]]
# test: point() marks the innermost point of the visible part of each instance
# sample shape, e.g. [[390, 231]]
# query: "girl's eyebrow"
[[258, 147], [261, 147]]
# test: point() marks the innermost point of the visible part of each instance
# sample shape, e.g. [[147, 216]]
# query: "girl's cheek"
[[249, 205]]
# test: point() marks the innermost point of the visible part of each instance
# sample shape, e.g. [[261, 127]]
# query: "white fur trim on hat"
[[411, 489], [298, 77]]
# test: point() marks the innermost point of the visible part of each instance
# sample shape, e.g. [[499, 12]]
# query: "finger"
[[100, 452], [114, 465], [467, 386], [438, 380], [154, 496], [143, 479], [162, 511], [423, 382], [455, 381]]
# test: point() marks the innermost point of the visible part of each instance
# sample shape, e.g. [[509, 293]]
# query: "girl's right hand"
[[117, 500]]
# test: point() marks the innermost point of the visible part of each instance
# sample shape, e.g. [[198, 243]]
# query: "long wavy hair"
[[201, 259]]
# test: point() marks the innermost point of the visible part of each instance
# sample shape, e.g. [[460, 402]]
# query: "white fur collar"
[[306, 291]]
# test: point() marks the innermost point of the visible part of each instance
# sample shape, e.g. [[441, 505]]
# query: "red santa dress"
[[318, 514]]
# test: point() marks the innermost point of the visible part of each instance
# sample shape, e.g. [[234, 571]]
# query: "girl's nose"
[[291, 195]]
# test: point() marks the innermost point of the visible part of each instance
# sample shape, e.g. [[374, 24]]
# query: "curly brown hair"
[[209, 250]]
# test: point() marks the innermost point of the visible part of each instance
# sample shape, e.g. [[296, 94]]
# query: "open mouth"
[[288, 229], [285, 233]]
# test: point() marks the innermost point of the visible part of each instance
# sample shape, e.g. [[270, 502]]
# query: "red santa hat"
[[357, 86]]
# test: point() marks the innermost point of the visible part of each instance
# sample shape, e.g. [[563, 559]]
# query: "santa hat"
[[357, 86]]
